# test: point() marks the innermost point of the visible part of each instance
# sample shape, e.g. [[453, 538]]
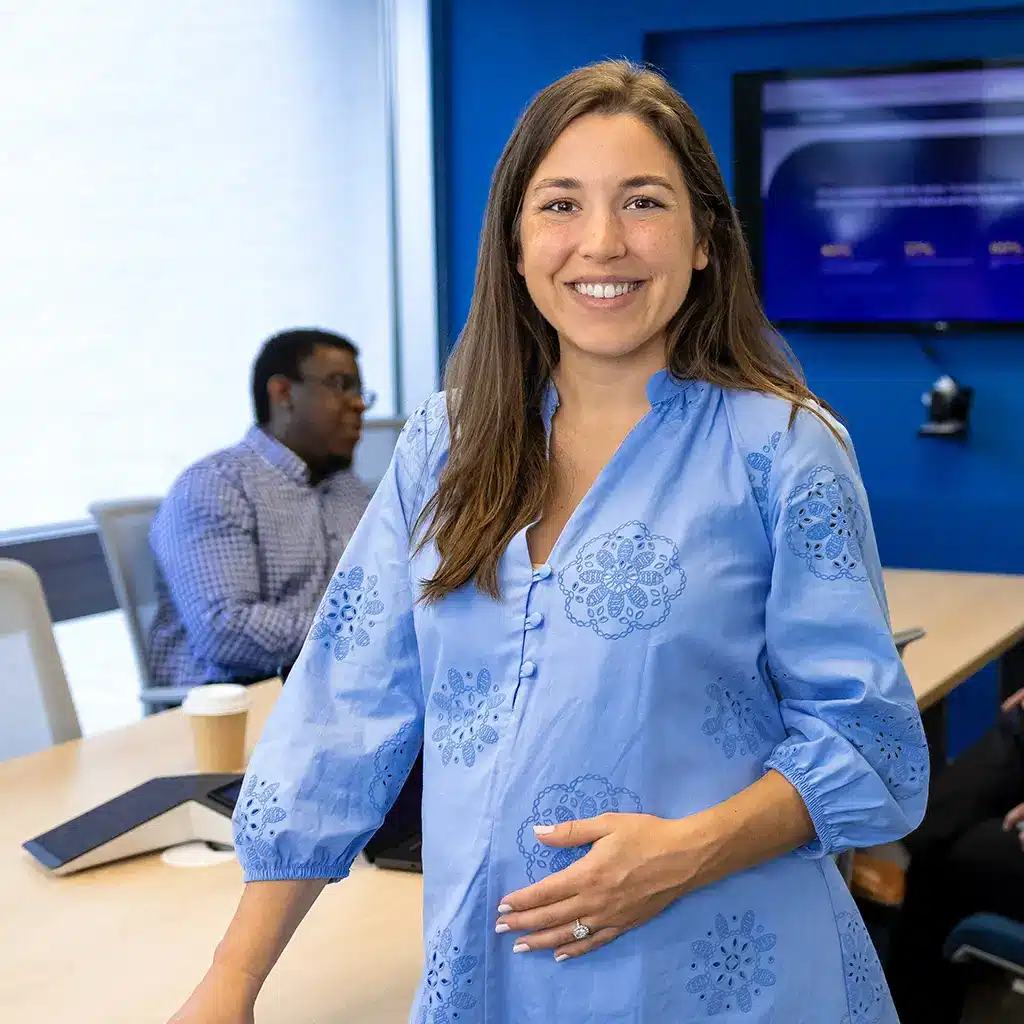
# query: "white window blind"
[[177, 182]]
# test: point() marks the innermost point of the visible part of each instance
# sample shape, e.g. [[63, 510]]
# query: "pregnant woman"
[[620, 583]]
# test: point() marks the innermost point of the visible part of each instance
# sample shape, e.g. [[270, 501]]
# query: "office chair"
[[37, 707], [997, 942], [123, 528]]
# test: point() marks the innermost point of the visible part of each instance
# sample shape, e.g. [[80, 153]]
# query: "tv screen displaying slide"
[[877, 199]]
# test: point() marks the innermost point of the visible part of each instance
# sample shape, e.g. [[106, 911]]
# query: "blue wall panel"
[[936, 504]]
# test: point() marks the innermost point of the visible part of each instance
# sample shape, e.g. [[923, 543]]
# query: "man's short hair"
[[283, 354]]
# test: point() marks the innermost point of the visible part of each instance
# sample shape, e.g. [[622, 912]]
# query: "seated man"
[[967, 857], [247, 539]]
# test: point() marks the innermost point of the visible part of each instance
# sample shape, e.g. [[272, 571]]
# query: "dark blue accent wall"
[[936, 504]]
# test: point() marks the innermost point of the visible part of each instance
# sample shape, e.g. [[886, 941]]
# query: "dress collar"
[[662, 387]]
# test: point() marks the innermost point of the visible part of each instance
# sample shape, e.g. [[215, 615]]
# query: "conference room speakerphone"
[[162, 812], [172, 810]]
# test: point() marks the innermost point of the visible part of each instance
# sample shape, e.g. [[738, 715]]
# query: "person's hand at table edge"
[[1015, 700], [1015, 820]]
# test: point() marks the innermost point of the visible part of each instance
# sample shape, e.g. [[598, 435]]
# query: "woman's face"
[[607, 239]]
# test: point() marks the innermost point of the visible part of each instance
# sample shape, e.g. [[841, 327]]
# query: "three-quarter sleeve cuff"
[[331, 871], [827, 840]]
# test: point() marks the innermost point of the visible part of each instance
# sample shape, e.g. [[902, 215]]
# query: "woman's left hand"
[[638, 865]]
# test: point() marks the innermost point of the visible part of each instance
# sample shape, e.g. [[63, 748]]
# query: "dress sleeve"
[[348, 725], [855, 749]]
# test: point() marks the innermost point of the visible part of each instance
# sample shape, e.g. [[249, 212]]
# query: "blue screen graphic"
[[894, 197]]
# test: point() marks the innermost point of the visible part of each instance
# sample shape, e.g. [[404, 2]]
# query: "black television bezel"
[[746, 154]]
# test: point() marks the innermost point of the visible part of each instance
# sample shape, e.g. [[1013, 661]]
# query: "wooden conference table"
[[123, 944], [971, 619]]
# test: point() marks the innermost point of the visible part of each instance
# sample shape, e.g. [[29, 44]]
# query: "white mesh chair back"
[[36, 709]]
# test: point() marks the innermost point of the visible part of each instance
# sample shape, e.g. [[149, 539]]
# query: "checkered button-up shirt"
[[245, 548]]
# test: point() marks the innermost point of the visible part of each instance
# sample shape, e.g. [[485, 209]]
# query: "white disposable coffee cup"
[[218, 712]]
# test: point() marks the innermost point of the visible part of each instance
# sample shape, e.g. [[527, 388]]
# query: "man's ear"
[[279, 391]]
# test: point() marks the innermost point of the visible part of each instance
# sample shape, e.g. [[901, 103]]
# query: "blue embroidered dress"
[[713, 609]]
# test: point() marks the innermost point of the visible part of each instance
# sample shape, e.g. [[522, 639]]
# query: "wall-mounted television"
[[886, 198]]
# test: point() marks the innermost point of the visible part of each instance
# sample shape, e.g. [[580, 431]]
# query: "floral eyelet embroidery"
[[735, 720], [256, 813], [733, 964], [892, 741], [760, 473], [415, 425], [347, 613], [866, 990], [621, 581], [391, 766], [826, 526], [585, 797], [447, 983], [426, 417], [466, 715]]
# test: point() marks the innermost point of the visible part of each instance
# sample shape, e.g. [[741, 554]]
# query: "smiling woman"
[[614, 242], [607, 185], [628, 598]]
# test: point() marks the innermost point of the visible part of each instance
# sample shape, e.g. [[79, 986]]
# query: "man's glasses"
[[344, 384]]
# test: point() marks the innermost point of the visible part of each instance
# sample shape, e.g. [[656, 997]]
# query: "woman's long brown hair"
[[496, 478]]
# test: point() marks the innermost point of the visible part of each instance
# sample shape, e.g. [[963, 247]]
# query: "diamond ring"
[[580, 931]]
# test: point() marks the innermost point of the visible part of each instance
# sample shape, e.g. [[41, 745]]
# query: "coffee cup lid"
[[216, 699]]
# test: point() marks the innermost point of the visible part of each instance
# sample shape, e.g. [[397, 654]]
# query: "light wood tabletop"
[[971, 619], [124, 943]]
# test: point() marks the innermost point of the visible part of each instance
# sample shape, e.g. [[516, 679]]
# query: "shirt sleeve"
[[855, 749], [348, 725], [204, 540]]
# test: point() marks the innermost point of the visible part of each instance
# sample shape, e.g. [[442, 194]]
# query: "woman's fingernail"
[[504, 908], [543, 830], [520, 947], [500, 929], [561, 957]]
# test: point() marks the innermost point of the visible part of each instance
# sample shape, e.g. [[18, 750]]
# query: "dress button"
[[527, 669], [542, 572], [534, 621]]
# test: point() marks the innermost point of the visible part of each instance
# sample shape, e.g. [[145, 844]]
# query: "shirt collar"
[[277, 454], [662, 387]]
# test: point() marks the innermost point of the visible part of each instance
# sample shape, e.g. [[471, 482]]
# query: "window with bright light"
[[177, 182]]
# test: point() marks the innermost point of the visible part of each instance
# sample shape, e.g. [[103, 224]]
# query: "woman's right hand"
[[222, 997]]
